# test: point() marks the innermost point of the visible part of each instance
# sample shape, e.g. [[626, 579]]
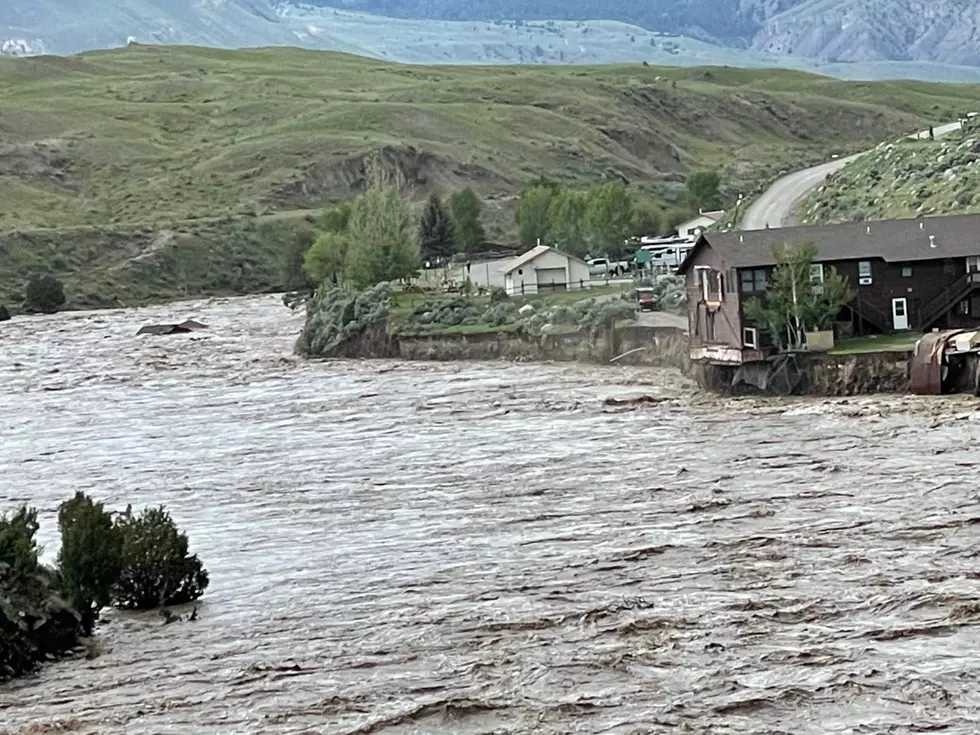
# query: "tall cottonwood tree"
[[382, 233]]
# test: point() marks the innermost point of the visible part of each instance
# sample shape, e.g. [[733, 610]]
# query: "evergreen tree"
[[465, 209], [437, 242]]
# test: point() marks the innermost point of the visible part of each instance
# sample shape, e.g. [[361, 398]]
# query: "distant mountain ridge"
[[803, 34]]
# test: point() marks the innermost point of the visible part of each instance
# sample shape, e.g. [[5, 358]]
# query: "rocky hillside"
[[902, 180], [853, 39], [946, 31]]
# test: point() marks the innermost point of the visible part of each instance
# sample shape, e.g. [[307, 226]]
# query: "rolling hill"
[[152, 171]]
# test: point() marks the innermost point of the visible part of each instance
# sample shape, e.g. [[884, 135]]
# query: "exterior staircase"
[[872, 315], [942, 303]]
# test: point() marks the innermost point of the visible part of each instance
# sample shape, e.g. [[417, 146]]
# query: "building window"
[[973, 264], [520, 271], [864, 273], [816, 278], [710, 325], [965, 307], [730, 281], [949, 268], [906, 271], [750, 337], [754, 280]]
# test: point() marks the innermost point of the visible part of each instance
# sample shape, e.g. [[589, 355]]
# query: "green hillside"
[[133, 162], [908, 179]]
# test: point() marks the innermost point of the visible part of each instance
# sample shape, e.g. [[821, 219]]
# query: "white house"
[[694, 227], [543, 269]]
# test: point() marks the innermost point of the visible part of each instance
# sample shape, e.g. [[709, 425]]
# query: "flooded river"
[[490, 548]]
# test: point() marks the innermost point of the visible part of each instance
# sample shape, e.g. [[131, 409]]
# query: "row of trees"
[[380, 236], [602, 219]]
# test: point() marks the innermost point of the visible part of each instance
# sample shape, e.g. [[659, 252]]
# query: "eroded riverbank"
[[488, 547]]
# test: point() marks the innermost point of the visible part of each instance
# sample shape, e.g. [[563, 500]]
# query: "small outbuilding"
[[544, 268]]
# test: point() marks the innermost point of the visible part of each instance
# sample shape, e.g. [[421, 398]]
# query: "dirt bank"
[[653, 346]]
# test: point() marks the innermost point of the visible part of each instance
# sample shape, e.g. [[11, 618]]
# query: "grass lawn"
[[900, 342]]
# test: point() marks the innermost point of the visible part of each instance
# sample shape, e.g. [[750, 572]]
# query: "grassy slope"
[[146, 166], [906, 180]]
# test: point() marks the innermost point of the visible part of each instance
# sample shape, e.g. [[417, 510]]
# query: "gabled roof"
[[532, 254], [713, 215], [898, 240]]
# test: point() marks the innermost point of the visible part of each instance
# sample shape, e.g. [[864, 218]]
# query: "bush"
[[498, 295], [156, 568], [44, 294], [18, 547], [90, 559], [500, 314]]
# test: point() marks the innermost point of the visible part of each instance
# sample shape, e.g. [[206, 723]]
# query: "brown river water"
[[490, 548]]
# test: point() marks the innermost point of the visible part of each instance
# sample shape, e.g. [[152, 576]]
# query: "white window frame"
[[816, 278], [753, 334], [704, 275], [865, 274], [973, 264]]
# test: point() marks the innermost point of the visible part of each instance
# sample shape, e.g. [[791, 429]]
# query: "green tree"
[[437, 242], [533, 214], [607, 218], [465, 209], [18, 545], [326, 258], [334, 219], [673, 218], [90, 559], [704, 191], [566, 215], [383, 236], [157, 569], [44, 294], [797, 303], [646, 219]]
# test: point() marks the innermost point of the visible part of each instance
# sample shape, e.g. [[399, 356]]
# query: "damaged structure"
[[910, 276]]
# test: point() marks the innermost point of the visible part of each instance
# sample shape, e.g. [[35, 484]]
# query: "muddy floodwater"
[[495, 548]]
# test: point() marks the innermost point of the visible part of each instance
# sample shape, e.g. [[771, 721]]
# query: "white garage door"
[[551, 279]]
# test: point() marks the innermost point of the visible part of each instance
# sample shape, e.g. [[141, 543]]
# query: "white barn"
[[542, 269]]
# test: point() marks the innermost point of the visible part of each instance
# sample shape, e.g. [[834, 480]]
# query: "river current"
[[495, 548]]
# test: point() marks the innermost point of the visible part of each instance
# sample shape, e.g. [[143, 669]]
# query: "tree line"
[[603, 219], [381, 235]]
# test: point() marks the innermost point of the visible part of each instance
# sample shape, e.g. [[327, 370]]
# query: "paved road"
[[775, 207]]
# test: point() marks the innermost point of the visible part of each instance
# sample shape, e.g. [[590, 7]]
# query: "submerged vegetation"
[[132, 561]]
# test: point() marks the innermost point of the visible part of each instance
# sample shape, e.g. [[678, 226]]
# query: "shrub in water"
[[18, 547], [156, 568], [90, 559], [45, 294]]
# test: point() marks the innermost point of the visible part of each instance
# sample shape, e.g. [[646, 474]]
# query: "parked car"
[[646, 299], [599, 266]]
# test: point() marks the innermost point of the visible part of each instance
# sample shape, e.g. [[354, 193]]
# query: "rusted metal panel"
[[926, 367]]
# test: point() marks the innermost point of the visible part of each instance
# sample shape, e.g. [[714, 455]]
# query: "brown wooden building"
[[908, 274]]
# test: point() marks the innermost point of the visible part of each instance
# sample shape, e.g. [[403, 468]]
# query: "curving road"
[[775, 207]]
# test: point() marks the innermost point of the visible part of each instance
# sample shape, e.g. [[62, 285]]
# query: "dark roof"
[[897, 240]]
